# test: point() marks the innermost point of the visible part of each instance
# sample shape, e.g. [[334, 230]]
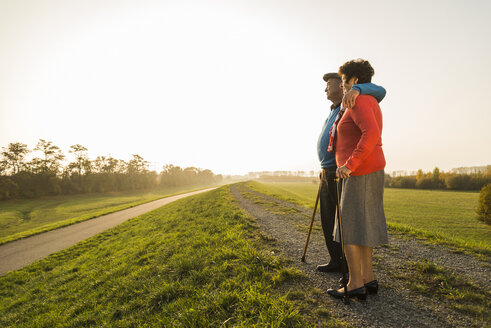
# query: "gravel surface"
[[395, 305]]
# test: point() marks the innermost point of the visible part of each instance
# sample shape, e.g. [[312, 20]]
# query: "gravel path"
[[395, 305]]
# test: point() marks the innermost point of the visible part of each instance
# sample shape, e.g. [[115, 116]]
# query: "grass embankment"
[[442, 217], [196, 262], [23, 218]]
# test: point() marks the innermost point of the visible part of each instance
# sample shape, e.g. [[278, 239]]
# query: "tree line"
[[46, 175], [441, 180]]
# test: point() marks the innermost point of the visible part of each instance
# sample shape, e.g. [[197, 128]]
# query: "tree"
[[403, 182], [458, 182], [82, 163], [35, 166], [435, 179], [103, 164], [423, 181], [484, 207], [8, 188], [206, 176], [52, 156], [3, 167], [137, 165], [14, 155], [99, 165]]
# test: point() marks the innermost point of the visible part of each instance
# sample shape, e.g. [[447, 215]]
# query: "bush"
[[484, 207], [403, 182], [8, 188], [441, 180], [458, 182], [387, 180], [424, 183]]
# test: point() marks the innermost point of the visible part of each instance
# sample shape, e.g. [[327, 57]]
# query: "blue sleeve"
[[370, 89]]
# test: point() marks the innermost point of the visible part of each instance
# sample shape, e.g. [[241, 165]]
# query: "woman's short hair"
[[358, 68]]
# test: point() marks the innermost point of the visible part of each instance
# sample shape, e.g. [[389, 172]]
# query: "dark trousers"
[[328, 203]]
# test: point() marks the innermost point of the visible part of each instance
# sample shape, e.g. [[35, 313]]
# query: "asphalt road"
[[17, 254]]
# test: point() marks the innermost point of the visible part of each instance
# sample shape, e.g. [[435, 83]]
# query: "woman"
[[361, 162]]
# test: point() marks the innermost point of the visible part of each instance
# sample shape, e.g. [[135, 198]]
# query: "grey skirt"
[[362, 211]]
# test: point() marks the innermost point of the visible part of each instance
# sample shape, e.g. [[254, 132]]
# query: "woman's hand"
[[343, 172], [349, 98]]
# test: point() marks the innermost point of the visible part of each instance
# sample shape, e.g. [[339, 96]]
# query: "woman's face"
[[348, 84]]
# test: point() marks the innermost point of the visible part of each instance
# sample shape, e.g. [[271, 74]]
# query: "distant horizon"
[[154, 166]]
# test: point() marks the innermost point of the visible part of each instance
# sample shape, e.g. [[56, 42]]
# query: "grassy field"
[[445, 217], [22, 218], [197, 262]]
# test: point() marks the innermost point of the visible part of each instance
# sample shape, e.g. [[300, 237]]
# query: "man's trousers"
[[328, 203]]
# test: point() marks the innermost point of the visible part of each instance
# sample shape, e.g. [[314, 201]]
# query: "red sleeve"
[[363, 116]]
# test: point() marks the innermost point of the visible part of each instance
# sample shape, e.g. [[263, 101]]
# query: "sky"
[[236, 86]]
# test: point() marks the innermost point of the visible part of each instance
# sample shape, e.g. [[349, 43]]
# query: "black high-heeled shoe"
[[360, 293], [372, 287]]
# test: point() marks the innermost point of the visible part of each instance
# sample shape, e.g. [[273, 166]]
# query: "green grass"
[[272, 206], [297, 218], [443, 217], [429, 279], [23, 218], [197, 262], [297, 192]]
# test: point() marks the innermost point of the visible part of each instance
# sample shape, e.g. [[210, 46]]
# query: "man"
[[328, 192]]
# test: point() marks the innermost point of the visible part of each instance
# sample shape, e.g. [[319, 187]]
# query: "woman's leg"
[[354, 258], [366, 264]]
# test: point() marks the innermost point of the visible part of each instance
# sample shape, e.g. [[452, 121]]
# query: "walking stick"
[[343, 257], [311, 222]]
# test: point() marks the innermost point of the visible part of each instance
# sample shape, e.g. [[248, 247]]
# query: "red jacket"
[[359, 138]]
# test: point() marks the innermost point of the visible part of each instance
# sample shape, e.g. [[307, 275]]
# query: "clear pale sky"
[[236, 86]]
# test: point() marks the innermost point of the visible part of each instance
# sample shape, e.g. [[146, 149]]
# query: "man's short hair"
[[328, 76], [359, 68]]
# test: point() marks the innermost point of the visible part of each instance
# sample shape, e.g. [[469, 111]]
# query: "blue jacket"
[[326, 158]]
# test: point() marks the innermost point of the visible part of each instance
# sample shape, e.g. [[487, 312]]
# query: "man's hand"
[[343, 172], [349, 98]]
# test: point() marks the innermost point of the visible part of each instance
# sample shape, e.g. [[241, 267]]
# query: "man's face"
[[334, 90], [347, 85]]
